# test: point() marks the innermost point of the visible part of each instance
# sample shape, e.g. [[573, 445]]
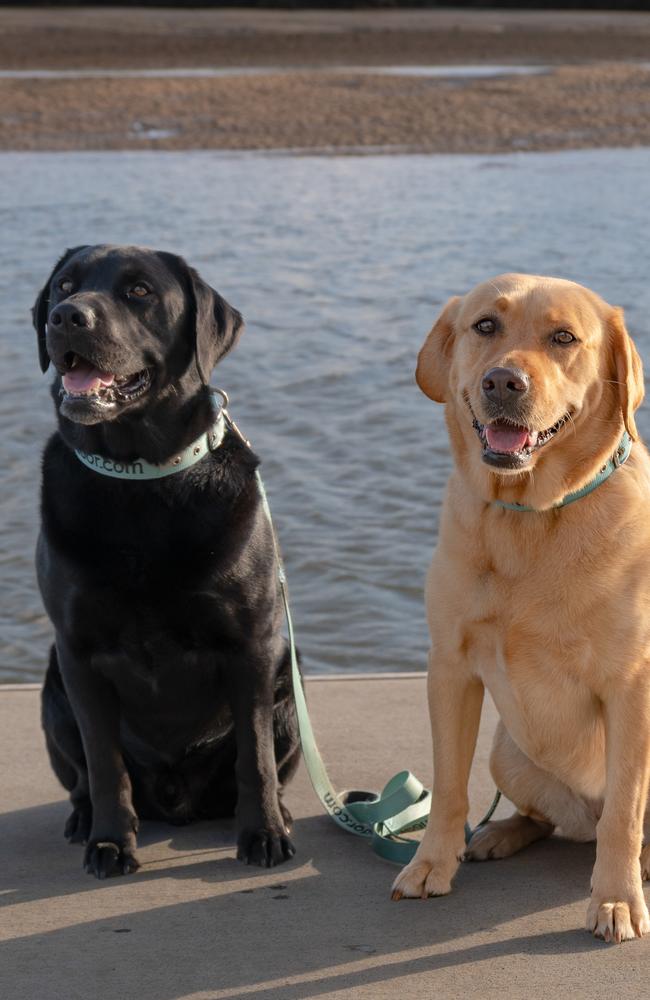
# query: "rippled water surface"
[[209, 72], [339, 266]]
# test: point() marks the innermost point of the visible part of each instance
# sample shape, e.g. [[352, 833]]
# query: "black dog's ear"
[[41, 308], [217, 326]]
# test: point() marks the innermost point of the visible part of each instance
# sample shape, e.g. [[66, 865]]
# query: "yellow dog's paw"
[[618, 921], [502, 837], [421, 879]]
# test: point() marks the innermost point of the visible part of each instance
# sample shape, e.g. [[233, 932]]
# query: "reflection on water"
[[339, 266], [469, 72], [180, 72]]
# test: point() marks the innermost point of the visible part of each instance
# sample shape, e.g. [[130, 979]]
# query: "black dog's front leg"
[[110, 849], [263, 838]]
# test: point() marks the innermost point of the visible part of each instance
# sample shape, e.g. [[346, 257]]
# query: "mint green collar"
[[619, 458], [141, 470]]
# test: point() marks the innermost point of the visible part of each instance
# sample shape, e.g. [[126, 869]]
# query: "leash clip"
[[230, 422]]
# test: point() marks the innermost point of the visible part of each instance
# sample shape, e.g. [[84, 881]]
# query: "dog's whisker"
[[572, 424]]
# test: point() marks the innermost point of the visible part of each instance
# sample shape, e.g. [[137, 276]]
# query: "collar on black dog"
[[138, 469]]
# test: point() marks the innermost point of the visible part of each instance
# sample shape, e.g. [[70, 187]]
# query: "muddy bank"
[[565, 107]]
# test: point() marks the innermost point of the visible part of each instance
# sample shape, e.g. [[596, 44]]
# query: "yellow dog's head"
[[537, 374]]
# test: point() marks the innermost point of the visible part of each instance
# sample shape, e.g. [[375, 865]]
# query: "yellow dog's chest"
[[551, 714], [538, 661]]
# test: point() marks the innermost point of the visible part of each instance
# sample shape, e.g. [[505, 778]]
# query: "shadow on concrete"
[[195, 924], [312, 919], [44, 865], [554, 944]]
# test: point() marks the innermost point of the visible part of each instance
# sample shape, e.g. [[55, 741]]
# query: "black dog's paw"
[[104, 858], [263, 847], [79, 823]]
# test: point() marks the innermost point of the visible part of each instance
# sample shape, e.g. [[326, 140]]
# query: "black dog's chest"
[[143, 592], [160, 552], [126, 567], [132, 536]]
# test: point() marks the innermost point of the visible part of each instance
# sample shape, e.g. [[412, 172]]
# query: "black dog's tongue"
[[84, 377]]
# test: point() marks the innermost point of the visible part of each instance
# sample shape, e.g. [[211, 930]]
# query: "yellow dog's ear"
[[629, 370], [434, 358]]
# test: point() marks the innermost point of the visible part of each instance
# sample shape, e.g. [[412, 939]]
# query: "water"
[[339, 266], [185, 72]]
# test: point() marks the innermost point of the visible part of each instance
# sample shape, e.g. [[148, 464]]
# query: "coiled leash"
[[403, 805]]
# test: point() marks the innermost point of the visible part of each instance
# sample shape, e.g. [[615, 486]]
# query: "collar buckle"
[[619, 456]]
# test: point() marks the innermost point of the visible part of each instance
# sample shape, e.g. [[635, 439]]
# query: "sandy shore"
[[594, 91]]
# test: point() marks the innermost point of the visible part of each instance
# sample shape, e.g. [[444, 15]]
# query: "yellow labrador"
[[539, 588]]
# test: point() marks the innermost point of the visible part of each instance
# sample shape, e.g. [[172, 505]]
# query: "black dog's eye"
[[139, 291], [563, 337], [66, 285], [485, 326]]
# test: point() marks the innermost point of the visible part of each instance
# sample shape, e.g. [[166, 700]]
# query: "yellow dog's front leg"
[[617, 911], [455, 702]]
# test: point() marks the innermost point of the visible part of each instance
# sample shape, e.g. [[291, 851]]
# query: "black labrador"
[[168, 693]]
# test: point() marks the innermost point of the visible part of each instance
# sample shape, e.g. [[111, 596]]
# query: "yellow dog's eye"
[[563, 337], [66, 285], [485, 326]]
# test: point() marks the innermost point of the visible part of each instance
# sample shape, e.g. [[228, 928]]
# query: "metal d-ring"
[[230, 422], [223, 394]]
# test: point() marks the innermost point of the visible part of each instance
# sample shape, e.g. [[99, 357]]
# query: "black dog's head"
[[122, 324]]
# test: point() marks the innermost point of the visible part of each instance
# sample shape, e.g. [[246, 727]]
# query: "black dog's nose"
[[504, 384], [72, 315]]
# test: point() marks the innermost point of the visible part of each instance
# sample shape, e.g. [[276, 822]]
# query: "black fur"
[[168, 693]]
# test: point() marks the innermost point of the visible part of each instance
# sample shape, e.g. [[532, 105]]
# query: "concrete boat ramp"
[[194, 923]]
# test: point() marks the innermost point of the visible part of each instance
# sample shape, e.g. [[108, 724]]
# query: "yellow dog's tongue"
[[84, 377], [505, 438]]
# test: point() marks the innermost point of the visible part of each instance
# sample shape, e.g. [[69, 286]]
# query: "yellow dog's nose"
[[503, 384]]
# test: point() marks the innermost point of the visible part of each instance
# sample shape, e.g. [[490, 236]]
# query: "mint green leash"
[[619, 458], [404, 804]]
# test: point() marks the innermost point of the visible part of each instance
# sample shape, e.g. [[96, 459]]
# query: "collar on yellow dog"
[[138, 469], [619, 458]]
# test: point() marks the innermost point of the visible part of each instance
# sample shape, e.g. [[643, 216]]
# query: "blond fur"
[[549, 610]]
